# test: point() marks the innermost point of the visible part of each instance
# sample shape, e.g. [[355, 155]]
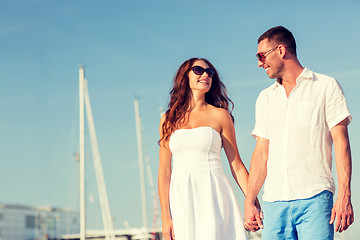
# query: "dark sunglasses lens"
[[198, 70], [210, 72], [260, 57]]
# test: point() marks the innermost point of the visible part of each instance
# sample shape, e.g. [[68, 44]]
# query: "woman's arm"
[[237, 167], [164, 177]]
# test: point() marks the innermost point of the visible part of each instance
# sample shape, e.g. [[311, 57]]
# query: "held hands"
[[168, 229], [343, 211], [253, 216]]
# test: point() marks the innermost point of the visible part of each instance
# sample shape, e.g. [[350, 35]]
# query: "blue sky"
[[132, 49]]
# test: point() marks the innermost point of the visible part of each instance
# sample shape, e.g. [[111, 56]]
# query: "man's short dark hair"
[[280, 35]]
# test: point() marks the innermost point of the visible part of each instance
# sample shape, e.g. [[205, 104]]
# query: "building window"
[[32, 222], [51, 223]]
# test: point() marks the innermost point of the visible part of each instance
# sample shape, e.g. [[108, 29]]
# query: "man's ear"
[[282, 50]]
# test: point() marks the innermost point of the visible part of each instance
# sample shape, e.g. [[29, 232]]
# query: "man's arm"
[[342, 209], [257, 174]]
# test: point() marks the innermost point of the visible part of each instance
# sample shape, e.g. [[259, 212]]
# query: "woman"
[[197, 201]]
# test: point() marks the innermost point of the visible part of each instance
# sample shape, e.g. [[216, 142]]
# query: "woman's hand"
[[168, 229], [252, 216]]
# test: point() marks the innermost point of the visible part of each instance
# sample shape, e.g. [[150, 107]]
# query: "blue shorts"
[[299, 219]]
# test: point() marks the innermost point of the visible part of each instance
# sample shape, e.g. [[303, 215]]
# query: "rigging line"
[[154, 196], [141, 162], [104, 201]]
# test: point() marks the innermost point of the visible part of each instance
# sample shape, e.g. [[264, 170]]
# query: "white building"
[[18, 222]]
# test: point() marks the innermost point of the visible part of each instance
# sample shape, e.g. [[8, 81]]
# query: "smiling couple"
[[298, 118]]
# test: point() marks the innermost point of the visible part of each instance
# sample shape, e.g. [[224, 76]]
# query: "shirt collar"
[[306, 74]]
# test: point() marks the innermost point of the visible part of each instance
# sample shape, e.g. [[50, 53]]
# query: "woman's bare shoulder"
[[219, 112], [162, 119]]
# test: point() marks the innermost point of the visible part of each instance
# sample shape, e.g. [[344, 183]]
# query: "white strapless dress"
[[202, 202]]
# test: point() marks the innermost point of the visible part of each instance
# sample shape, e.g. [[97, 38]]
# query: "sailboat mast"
[[104, 201], [82, 153], [141, 162]]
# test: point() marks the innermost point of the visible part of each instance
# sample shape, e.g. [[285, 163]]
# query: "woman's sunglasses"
[[200, 70]]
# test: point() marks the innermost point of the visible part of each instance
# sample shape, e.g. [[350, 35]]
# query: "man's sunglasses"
[[200, 70], [261, 56]]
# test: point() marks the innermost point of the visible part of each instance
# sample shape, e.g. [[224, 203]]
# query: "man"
[[298, 118]]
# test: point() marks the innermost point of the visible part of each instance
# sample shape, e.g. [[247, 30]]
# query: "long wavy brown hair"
[[180, 96]]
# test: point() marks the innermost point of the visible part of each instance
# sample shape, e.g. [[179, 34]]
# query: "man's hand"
[[253, 216], [343, 211]]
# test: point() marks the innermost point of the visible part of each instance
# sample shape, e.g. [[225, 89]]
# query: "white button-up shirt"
[[298, 129]]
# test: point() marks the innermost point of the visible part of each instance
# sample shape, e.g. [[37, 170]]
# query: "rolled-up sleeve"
[[336, 108], [260, 129]]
